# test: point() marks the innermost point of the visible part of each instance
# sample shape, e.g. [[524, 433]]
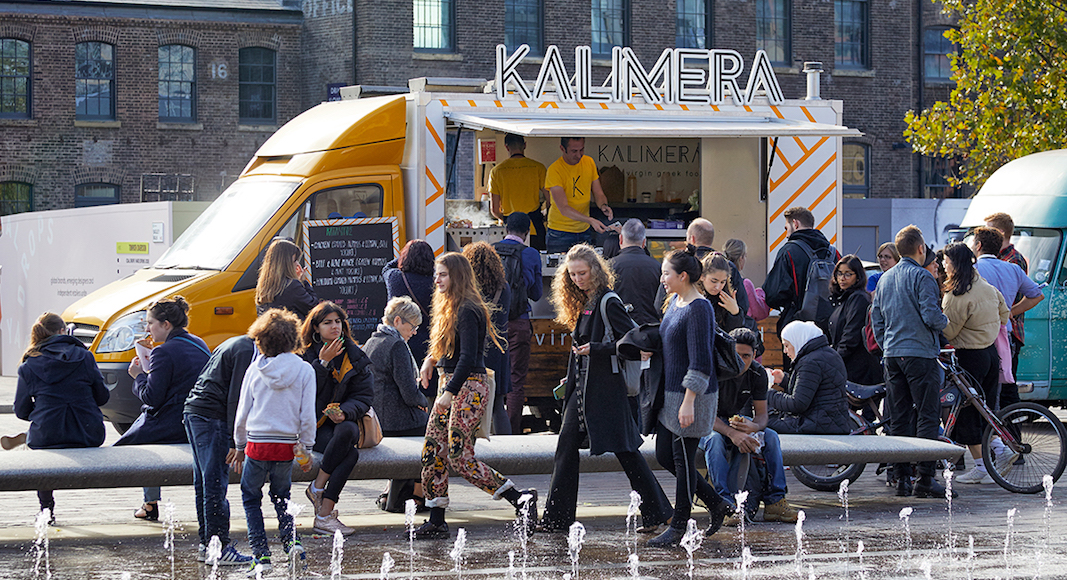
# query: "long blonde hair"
[[567, 297], [463, 290], [279, 266], [48, 325]]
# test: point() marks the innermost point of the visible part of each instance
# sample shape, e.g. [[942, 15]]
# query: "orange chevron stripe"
[[807, 114], [778, 151], [547, 104], [833, 240], [829, 217], [436, 137], [438, 251], [799, 162], [780, 239], [800, 144], [436, 225], [439, 191], [777, 113], [832, 187], [801, 189]]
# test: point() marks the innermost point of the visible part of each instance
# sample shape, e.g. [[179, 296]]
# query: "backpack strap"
[[609, 335], [411, 293]]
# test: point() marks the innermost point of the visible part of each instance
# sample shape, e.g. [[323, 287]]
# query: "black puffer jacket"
[[846, 336], [816, 392]]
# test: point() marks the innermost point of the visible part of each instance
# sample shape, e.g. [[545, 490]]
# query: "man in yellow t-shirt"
[[573, 181], [518, 184]]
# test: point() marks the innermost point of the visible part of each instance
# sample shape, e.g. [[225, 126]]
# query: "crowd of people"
[[449, 363]]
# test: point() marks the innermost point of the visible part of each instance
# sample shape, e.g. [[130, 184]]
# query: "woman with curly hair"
[[976, 310], [280, 283], [489, 271], [461, 323], [411, 275], [596, 409]]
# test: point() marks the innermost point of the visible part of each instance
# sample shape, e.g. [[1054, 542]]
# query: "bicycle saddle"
[[864, 392]]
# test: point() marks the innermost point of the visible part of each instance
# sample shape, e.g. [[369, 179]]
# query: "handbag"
[[630, 369], [485, 426], [370, 430], [728, 363]]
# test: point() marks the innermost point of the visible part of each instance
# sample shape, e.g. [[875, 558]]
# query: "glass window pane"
[[94, 75], [14, 78], [256, 90], [936, 49], [433, 25], [773, 29]]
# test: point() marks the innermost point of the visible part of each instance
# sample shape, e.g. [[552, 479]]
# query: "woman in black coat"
[[814, 401], [59, 392], [280, 285], [851, 301], [489, 271], [411, 275], [162, 384], [344, 393], [597, 409]]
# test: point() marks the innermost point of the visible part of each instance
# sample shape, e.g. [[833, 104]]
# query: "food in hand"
[[333, 409]]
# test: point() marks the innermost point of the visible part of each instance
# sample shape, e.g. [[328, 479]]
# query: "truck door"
[[1046, 324]]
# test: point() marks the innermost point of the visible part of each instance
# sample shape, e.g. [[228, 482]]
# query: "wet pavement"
[[96, 536]]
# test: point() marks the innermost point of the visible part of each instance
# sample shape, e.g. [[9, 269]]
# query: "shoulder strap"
[[609, 335], [411, 293], [194, 343]]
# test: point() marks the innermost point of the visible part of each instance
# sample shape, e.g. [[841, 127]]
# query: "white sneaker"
[[201, 553], [1005, 461], [987, 479], [972, 476], [330, 524]]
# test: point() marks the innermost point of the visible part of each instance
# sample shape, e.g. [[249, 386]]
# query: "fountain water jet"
[[947, 474], [800, 543], [457, 551], [575, 539], [410, 507], [387, 566], [337, 555], [905, 517], [214, 552], [691, 541], [1008, 537], [40, 544], [168, 533]]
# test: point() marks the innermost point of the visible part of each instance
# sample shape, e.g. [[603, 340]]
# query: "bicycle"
[[1028, 430]]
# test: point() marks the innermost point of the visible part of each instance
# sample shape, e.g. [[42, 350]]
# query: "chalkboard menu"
[[346, 257]]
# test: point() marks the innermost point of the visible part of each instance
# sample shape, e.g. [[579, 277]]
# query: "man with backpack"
[[522, 270], [792, 275], [637, 274]]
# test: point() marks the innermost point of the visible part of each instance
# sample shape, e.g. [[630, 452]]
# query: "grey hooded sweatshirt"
[[277, 402]]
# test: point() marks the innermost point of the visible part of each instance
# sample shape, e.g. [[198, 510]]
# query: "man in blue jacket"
[[906, 316], [522, 269]]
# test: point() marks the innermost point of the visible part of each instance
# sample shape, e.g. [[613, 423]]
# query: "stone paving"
[[88, 518]]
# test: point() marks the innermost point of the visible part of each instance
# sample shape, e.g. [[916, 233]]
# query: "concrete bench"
[[398, 458]]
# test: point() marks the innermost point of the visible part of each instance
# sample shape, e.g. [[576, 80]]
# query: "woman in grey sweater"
[[399, 402]]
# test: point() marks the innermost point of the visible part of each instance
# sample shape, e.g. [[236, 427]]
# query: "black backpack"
[[815, 305], [511, 255]]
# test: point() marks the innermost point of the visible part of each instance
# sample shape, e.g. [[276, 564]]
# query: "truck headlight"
[[121, 335]]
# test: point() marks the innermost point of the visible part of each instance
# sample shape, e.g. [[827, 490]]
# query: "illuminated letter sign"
[[680, 76]]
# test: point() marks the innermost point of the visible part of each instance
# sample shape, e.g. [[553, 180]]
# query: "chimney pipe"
[[813, 69]]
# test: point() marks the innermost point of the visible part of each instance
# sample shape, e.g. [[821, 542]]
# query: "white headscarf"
[[799, 333]]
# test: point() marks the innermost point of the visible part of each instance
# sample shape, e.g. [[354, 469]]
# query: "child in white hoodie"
[[276, 413]]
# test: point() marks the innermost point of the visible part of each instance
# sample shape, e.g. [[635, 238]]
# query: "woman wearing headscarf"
[[813, 398]]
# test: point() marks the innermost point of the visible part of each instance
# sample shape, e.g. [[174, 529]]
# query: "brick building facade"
[[65, 150], [65, 153]]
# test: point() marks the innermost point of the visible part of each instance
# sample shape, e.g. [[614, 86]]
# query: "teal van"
[[1033, 191]]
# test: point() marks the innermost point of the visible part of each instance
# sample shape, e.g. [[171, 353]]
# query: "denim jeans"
[[255, 474], [210, 443], [559, 242], [724, 460]]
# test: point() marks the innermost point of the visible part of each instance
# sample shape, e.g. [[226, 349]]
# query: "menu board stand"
[[345, 257]]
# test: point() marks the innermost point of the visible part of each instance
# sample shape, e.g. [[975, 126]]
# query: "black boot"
[[670, 538], [927, 486]]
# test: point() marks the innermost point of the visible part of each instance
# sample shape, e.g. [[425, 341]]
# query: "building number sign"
[[219, 70]]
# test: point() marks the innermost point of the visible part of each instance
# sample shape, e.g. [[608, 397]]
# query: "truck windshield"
[[227, 225], [1040, 246]]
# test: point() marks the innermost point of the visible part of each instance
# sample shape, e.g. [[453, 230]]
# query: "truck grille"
[[86, 333]]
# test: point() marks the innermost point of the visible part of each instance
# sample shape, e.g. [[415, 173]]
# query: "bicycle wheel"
[[828, 477], [1044, 442]]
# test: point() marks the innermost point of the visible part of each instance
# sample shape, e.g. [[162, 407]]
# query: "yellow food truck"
[[742, 150]]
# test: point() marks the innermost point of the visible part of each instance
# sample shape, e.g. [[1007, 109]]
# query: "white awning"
[[545, 123]]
